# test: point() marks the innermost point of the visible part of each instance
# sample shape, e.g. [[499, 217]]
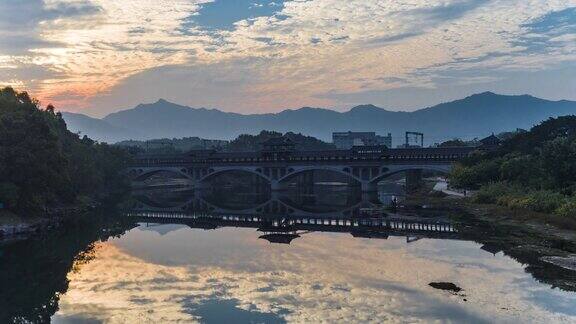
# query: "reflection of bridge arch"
[[343, 170], [218, 171], [273, 206], [445, 169], [140, 174]]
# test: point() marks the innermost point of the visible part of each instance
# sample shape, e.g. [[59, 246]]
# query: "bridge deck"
[[329, 156]]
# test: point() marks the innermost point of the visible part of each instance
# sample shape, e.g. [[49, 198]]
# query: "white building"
[[346, 140]]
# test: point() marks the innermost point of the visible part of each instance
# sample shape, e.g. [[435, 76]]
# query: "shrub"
[[568, 209], [474, 176], [490, 193], [515, 196], [545, 201]]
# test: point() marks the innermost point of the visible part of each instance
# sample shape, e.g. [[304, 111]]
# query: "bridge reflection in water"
[[281, 219]]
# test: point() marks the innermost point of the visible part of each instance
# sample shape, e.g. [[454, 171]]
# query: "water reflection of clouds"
[[319, 277]]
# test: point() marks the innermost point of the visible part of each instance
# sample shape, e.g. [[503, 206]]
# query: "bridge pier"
[[278, 186], [369, 186], [200, 185], [413, 180]]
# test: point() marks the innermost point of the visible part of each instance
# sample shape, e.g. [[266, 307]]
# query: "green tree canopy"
[[42, 164]]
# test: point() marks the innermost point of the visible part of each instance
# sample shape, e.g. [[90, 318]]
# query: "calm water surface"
[[176, 272]]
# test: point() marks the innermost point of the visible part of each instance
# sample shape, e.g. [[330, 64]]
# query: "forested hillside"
[[245, 142], [43, 165], [535, 170]]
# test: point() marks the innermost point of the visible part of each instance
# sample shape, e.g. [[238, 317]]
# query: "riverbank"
[[13, 226], [546, 244], [550, 225]]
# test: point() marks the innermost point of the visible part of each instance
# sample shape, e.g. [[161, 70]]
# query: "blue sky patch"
[[222, 14], [555, 23], [542, 29]]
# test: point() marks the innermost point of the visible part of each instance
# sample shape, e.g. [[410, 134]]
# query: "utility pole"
[[417, 135]]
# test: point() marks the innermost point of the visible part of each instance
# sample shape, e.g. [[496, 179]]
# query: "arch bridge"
[[363, 165]]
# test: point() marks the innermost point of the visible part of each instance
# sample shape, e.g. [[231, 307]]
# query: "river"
[[251, 257]]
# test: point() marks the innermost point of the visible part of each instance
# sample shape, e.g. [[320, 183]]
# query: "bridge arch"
[[141, 174], [341, 170], [215, 172]]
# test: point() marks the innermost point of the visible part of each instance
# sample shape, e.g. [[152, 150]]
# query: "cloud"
[[21, 22], [219, 273], [299, 52], [550, 33], [206, 85], [451, 84]]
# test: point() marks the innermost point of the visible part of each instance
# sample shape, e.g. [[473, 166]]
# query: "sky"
[[257, 56]]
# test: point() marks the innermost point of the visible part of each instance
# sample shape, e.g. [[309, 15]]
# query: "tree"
[[542, 159], [42, 163], [9, 194]]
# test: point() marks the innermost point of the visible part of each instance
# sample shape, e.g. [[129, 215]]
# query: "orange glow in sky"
[[98, 56]]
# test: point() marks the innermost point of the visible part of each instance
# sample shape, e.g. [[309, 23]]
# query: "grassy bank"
[[497, 209], [520, 200]]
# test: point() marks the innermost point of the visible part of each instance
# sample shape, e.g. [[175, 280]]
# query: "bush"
[[516, 197], [473, 177], [568, 209], [544, 201], [490, 193]]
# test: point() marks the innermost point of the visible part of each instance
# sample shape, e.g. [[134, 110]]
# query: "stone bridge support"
[[368, 186], [413, 180], [277, 177]]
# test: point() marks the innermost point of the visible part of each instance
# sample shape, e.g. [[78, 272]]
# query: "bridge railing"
[[426, 154]]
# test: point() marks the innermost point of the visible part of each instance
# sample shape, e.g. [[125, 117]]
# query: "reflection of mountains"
[[280, 222], [286, 229], [33, 273]]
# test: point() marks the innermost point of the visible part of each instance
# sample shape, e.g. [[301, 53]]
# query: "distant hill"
[[478, 115], [96, 128]]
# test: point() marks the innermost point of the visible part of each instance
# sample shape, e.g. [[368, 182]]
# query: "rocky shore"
[[15, 227], [26, 229]]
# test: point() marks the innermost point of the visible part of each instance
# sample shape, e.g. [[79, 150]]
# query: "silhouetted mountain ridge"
[[96, 128], [477, 115]]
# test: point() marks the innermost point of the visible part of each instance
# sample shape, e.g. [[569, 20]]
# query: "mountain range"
[[478, 115]]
